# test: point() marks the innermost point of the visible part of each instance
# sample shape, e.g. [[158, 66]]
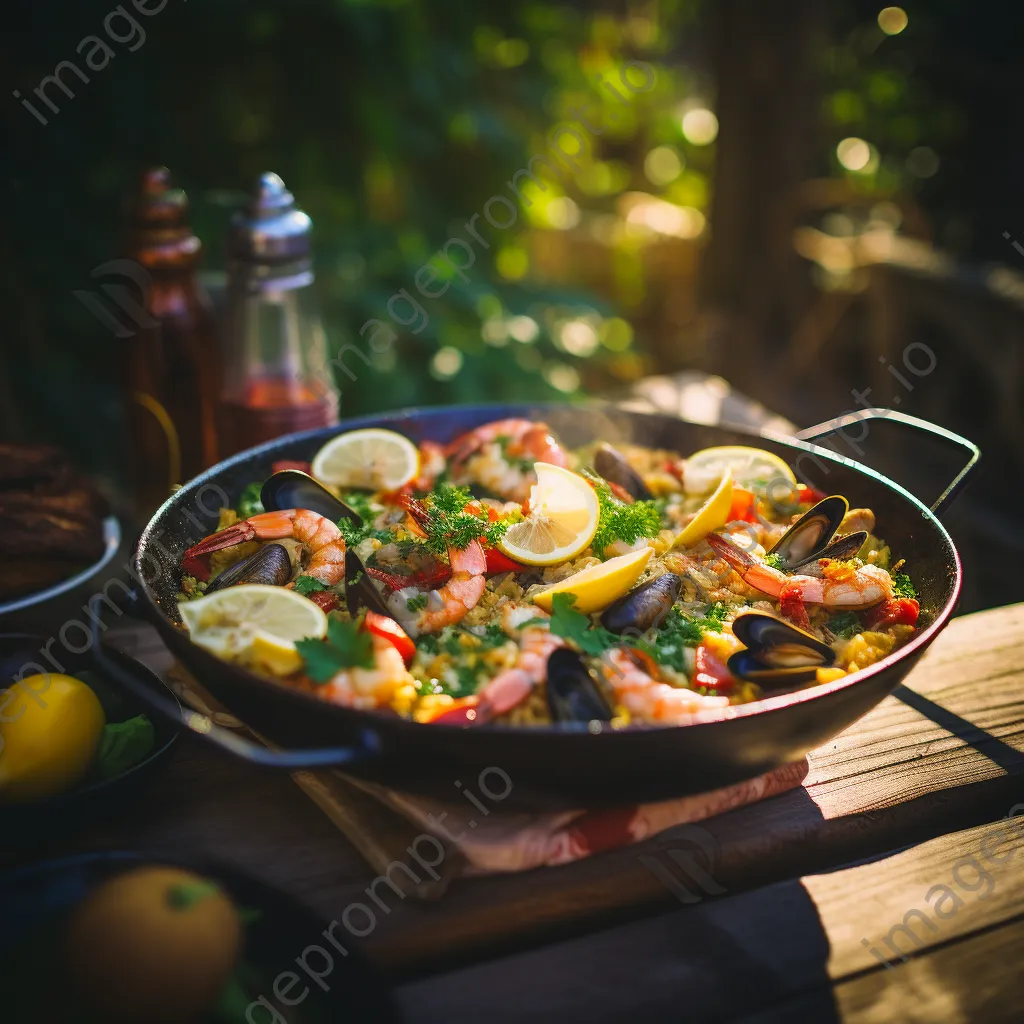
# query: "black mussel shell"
[[776, 643], [644, 606], [573, 696], [612, 465], [359, 589], [808, 537], [291, 488], [845, 548], [270, 565], [744, 665]]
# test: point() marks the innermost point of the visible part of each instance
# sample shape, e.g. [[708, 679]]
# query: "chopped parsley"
[[360, 503], [901, 585], [680, 631], [845, 625], [417, 603], [346, 646], [249, 503], [450, 526], [308, 584], [524, 465], [618, 520], [774, 561]]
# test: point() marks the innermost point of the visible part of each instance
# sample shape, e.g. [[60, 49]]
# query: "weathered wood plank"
[[790, 951]]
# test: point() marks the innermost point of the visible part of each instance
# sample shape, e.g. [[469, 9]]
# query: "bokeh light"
[[854, 154], [524, 329], [892, 20], [512, 262], [561, 377], [923, 162], [578, 338], [446, 362], [662, 165], [495, 331], [700, 126], [616, 334], [562, 213]]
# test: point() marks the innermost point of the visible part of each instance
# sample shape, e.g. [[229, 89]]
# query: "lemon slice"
[[379, 460], [710, 516], [749, 466], [279, 657], [595, 588], [563, 519], [237, 622]]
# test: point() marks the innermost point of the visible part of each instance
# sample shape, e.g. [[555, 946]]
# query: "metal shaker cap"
[[271, 228]]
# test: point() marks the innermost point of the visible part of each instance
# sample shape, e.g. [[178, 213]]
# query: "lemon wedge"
[[254, 622], [595, 588], [376, 459], [710, 516], [563, 519], [749, 467]]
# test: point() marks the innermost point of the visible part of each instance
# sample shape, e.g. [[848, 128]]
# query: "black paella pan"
[[557, 765]]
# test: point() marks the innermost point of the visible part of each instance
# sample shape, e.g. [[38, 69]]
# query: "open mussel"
[[644, 606], [612, 465], [359, 589], [270, 565], [778, 653], [810, 537], [573, 696], [291, 488]]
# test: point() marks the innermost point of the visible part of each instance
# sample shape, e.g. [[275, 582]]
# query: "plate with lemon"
[[73, 746], [603, 605]]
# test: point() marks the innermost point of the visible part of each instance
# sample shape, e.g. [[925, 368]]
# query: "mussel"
[[810, 537], [644, 606], [778, 653], [291, 488], [612, 465], [573, 696], [359, 588], [270, 565]]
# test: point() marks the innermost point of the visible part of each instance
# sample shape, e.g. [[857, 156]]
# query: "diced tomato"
[[462, 711], [809, 495], [620, 492], [744, 505], [327, 600], [498, 562], [674, 467], [646, 662], [792, 606], [712, 673], [283, 464], [388, 629], [900, 611]]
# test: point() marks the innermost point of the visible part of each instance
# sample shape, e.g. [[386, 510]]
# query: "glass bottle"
[[172, 363], [276, 378]]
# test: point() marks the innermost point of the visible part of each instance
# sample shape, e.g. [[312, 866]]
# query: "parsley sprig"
[[308, 584], [346, 646], [619, 521], [901, 585], [448, 523]]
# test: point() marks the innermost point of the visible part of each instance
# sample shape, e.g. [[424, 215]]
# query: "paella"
[[504, 578]]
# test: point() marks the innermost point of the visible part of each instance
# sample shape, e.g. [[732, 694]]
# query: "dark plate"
[[93, 798], [33, 901]]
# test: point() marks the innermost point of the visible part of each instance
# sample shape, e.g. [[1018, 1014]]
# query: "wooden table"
[[803, 914]]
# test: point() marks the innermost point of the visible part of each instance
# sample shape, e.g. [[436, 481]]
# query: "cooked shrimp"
[[648, 699], [318, 535], [827, 582], [512, 686], [368, 688], [498, 455]]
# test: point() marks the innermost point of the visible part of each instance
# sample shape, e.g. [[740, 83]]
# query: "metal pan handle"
[[840, 423], [191, 721]]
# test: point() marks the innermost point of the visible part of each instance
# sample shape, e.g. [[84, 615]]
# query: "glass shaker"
[[276, 374]]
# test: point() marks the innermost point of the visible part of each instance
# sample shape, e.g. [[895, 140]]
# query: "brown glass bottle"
[[172, 362]]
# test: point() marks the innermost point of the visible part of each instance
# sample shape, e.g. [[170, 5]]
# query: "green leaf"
[[844, 625], [774, 561], [308, 584], [346, 646], [249, 503], [188, 894], [123, 745], [619, 521], [572, 625], [901, 585]]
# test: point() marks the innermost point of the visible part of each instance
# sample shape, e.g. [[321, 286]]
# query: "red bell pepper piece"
[[712, 673], [283, 464], [744, 505], [498, 562], [463, 711], [428, 579], [326, 600], [388, 629], [809, 495], [900, 611]]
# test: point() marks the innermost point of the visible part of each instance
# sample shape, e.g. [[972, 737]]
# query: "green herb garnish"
[[572, 625], [308, 584], [901, 585], [417, 603], [619, 521], [188, 894], [449, 525], [774, 561], [123, 745], [844, 625], [249, 503], [678, 632], [346, 646]]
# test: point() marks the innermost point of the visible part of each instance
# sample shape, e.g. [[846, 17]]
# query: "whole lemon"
[[50, 728], [155, 945]]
